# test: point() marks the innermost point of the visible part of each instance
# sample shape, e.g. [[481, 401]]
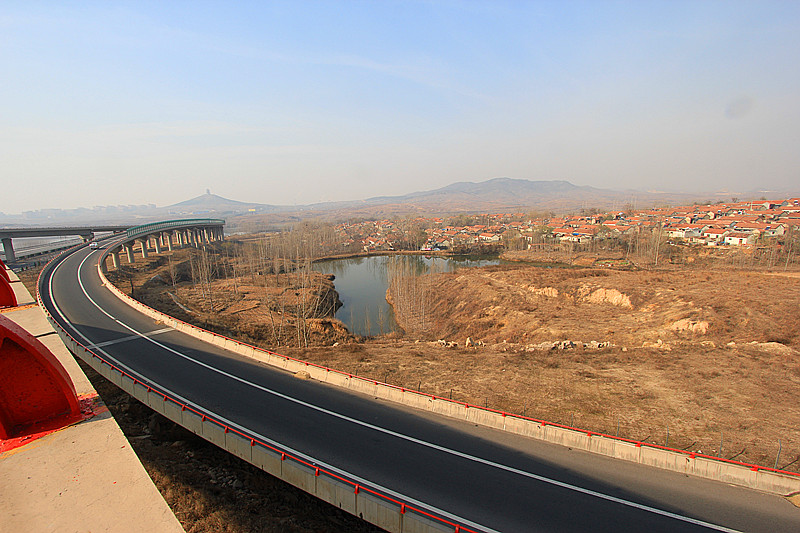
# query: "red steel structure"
[[36, 393], [7, 296], [3, 273]]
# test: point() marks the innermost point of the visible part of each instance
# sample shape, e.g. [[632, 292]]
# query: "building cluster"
[[723, 224]]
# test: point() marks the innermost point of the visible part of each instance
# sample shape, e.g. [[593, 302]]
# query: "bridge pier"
[[157, 241], [143, 243], [129, 250], [115, 258], [9, 248], [168, 238]]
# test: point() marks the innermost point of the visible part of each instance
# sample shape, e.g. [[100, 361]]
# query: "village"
[[734, 224]]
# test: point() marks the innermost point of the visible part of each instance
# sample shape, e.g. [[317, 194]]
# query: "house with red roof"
[[737, 238]]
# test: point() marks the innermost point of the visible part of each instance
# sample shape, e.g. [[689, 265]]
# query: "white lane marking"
[[129, 338], [420, 442]]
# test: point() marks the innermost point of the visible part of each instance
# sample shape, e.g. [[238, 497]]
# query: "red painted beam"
[[3, 273], [7, 296], [36, 392]]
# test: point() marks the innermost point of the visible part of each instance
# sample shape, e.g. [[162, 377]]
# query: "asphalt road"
[[488, 480]]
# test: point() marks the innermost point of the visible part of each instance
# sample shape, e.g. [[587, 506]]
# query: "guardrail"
[[41, 249], [169, 224], [356, 498], [710, 467]]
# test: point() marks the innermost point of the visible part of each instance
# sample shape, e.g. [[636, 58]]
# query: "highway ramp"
[[484, 479]]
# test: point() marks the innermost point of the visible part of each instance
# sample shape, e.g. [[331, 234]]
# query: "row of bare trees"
[[652, 247], [410, 295], [279, 265]]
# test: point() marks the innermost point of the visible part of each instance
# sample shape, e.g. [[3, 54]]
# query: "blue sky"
[[105, 103]]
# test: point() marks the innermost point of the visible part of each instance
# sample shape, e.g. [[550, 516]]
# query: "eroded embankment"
[[525, 305]]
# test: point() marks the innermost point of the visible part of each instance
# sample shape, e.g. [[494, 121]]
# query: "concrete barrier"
[[156, 402], [267, 460], [193, 422], [299, 475], [380, 512], [213, 433], [239, 446], [336, 493], [417, 523], [174, 412], [706, 467]]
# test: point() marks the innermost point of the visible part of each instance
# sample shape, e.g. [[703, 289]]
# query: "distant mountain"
[[497, 191], [503, 195], [214, 204], [209, 200], [498, 195]]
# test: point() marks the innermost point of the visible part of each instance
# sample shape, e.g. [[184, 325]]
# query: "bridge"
[[403, 469], [85, 232], [160, 236]]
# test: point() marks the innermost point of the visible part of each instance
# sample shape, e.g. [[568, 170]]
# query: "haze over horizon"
[[303, 102]]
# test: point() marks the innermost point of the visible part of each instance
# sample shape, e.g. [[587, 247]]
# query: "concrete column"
[[168, 238], [104, 266], [157, 241], [7, 246], [143, 242], [206, 238], [129, 251], [115, 258]]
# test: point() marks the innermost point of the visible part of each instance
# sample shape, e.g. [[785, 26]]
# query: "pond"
[[362, 283]]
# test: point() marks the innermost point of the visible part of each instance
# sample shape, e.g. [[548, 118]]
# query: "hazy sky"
[[105, 103]]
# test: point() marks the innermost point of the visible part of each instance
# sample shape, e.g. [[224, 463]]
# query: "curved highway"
[[484, 479]]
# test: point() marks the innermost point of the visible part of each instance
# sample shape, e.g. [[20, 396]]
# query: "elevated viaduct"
[[85, 232]]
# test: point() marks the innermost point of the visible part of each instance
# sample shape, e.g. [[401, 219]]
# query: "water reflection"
[[362, 283]]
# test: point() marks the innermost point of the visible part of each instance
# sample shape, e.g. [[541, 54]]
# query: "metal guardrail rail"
[[170, 224]]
